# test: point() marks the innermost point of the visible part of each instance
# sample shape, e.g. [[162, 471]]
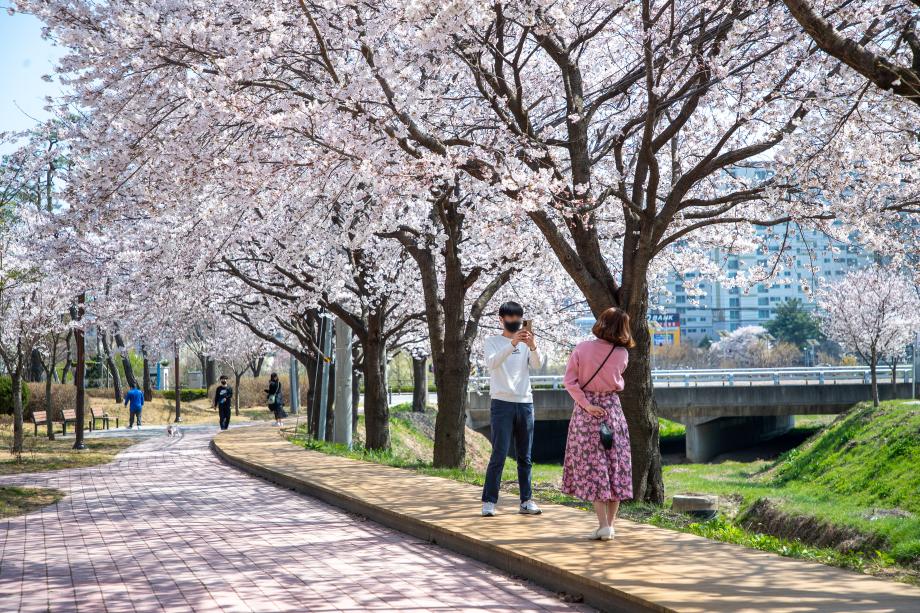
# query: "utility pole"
[[178, 385], [324, 359], [295, 385], [913, 386], [343, 407], [79, 375]]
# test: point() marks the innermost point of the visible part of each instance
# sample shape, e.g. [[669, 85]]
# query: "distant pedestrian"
[[598, 462], [275, 399], [223, 394], [134, 400], [510, 356]]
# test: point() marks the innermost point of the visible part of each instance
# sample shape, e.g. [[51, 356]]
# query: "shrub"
[[252, 390], [6, 398], [186, 394], [63, 396]]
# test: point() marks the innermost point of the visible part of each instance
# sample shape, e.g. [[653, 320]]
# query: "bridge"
[[723, 409]]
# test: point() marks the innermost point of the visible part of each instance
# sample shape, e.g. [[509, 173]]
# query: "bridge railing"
[[747, 376]]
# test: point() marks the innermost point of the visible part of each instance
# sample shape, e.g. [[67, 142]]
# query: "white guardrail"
[[747, 376]]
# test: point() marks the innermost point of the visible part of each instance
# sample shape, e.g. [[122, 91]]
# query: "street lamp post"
[[343, 408], [295, 385]]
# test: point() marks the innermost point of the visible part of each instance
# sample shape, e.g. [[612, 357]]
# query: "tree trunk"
[[419, 384], [330, 404], [49, 427], [236, 392], [148, 390], [16, 393], [355, 399], [210, 373], [35, 365], [452, 378], [68, 362], [256, 366], [178, 385], [873, 366], [79, 376], [376, 406], [638, 401], [128, 367], [110, 365], [894, 378]]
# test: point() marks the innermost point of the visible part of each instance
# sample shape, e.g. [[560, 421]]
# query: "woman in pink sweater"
[[593, 377]]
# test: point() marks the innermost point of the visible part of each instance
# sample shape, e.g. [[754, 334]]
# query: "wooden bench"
[[104, 418], [70, 417], [40, 418]]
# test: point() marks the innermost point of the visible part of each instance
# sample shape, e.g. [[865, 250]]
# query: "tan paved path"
[[648, 566], [169, 527]]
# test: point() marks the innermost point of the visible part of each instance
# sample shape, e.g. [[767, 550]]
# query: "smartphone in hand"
[[528, 326]]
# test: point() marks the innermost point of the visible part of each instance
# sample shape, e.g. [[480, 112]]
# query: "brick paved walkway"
[[168, 527]]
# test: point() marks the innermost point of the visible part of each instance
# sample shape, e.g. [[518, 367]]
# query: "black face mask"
[[512, 326]]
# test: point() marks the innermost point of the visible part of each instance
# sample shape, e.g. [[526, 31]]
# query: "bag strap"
[[585, 384]]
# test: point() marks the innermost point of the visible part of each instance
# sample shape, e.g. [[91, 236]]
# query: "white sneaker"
[[601, 534], [488, 509], [529, 507]]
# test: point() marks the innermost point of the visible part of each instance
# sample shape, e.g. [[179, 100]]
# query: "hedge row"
[[187, 394], [6, 397]]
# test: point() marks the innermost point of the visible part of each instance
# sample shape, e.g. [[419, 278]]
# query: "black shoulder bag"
[[605, 432]]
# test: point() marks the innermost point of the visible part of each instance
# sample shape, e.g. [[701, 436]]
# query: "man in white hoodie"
[[509, 357]]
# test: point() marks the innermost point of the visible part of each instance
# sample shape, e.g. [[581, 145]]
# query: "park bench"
[[40, 418], [70, 417], [103, 417]]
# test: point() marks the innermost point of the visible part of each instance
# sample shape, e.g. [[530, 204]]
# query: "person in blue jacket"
[[134, 398]]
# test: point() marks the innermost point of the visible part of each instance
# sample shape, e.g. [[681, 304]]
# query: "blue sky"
[[24, 58]]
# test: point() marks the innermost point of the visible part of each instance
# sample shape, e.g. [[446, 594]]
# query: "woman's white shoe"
[[602, 534]]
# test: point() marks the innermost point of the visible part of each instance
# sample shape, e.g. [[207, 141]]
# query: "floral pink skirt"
[[591, 472]]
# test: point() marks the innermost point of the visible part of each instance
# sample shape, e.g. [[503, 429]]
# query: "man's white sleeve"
[[495, 354], [535, 359]]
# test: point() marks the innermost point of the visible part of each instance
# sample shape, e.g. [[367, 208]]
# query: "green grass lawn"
[[40, 454], [21, 500]]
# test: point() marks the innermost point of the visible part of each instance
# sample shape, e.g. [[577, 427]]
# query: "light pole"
[[343, 407], [913, 385]]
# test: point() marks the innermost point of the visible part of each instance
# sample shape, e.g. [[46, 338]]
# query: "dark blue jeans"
[[132, 415], [509, 419]]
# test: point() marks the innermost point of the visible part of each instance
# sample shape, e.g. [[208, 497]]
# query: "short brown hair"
[[613, 326]]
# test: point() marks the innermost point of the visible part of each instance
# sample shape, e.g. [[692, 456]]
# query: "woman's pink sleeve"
[[622, 355], [571, 381]]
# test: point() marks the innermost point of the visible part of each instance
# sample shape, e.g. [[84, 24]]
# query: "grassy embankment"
[[849, 496]]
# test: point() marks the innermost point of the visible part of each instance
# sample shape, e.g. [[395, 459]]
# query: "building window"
[[734, 302], [763, 313], [734, 315], [763, 300], [681, 299]]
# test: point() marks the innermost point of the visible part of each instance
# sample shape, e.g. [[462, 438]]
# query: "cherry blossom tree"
[[627, 137], [873, 312], [238, 348], [33, 303], [877, 40]]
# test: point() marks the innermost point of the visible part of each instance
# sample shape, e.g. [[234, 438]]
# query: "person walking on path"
[[509, 357], [275, 399], [223, 394], [598, 462], [134, 400]]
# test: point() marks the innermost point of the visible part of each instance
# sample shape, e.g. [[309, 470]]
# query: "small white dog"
[[172, 430]]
